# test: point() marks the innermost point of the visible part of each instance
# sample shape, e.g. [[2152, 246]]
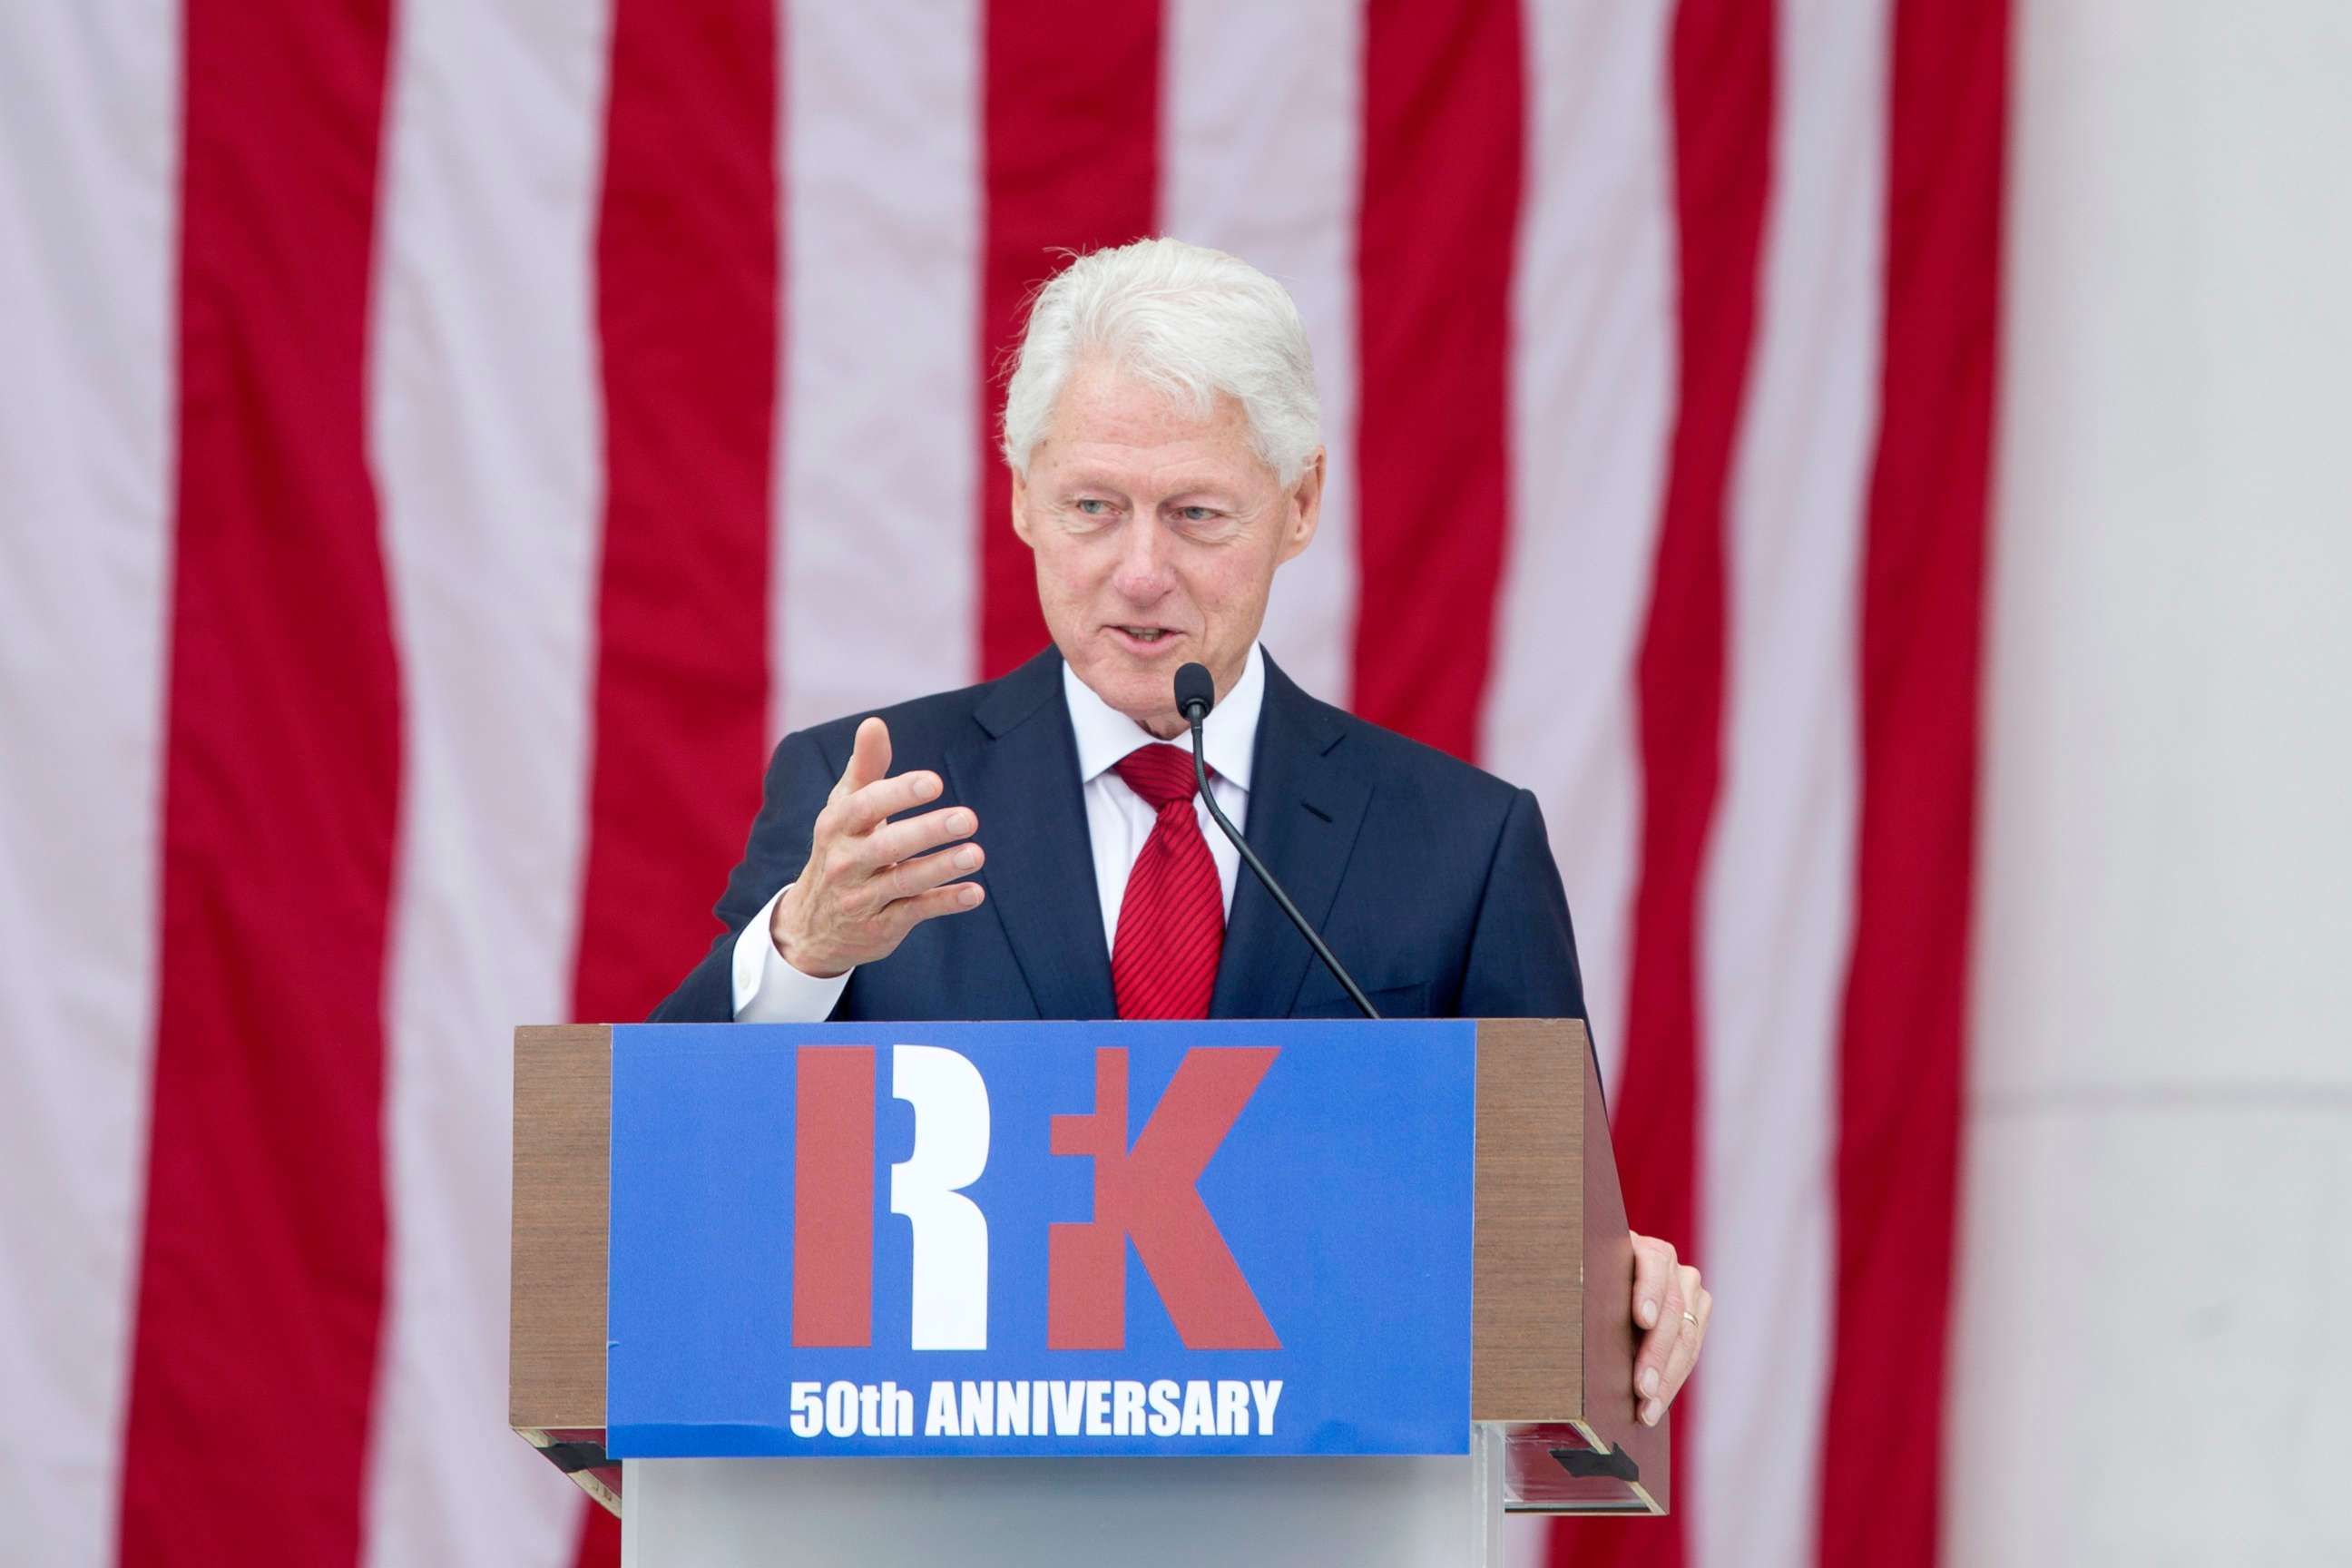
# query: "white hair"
[[1194, 321]]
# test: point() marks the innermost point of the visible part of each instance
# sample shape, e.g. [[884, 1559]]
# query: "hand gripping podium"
[[1052, 1293]]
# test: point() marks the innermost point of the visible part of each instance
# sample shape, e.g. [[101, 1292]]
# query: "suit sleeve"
[[1522, 950], [798, 780]]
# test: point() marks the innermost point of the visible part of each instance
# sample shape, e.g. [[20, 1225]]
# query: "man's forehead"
[[1125, 425], [1162, 469], [1105, 397]]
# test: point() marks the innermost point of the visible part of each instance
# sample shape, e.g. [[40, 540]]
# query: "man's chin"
[[1122, 659], [1151, 705], [1142, 689]]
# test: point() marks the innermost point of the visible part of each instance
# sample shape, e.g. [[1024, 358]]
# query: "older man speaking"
[[1166, 459]]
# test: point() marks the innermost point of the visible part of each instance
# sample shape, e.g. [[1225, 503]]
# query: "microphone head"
[[1196, 692]]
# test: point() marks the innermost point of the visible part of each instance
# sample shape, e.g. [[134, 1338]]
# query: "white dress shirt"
[[769, 990]]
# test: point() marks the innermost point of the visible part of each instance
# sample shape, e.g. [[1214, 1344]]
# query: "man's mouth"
[[1145, 635]]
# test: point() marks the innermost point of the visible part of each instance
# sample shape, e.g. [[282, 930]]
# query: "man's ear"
[[1302, 509], [1021, 507]]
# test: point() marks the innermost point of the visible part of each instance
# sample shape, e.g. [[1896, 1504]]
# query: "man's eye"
[[1196, 513], [1094, 506]]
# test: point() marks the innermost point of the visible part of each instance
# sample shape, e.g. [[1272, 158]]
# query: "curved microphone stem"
[[1266, 879]]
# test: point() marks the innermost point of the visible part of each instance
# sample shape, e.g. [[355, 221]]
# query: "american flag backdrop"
[[444, 443]]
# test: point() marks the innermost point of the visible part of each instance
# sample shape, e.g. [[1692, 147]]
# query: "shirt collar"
[[1229, 737]]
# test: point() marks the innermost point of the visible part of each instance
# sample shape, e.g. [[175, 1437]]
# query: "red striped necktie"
[[1171, 920]]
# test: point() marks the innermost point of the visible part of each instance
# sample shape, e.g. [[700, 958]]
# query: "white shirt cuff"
[[769, 990]]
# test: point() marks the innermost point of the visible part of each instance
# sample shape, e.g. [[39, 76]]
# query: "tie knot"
[[1160, 775]]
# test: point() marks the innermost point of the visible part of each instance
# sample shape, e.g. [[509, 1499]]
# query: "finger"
[[1694, 1339], [954, 900], [1658, 1302], [909, 837], [1654, 1269], [1698, 1303], [1650, 1362], [865, 808], [869, 758], [909, 877]]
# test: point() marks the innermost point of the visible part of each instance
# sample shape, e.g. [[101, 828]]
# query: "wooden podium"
[[1549, 1398]]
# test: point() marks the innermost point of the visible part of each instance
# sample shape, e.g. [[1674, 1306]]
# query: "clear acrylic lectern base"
[[1061, 1514]]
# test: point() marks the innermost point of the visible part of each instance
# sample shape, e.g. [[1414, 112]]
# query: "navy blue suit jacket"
[[1431, 879]]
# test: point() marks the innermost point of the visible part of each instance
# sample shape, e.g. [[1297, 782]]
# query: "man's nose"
[[1143, 574]]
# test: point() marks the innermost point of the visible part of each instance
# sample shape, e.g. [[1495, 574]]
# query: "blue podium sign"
[[1053, 1238]]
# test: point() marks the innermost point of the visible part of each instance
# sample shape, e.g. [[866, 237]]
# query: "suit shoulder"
[[1391, 757]]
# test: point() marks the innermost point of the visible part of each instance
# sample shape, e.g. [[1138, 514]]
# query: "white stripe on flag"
[[877, 578], [1592, 366], [90, 128], [1777, 903], [1261, 136], [484, 434], [1593, 356]]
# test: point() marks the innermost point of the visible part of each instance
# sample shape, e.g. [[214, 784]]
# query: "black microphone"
[[1196, 693]]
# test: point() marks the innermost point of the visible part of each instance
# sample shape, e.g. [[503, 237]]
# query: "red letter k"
[[1149, 1194]]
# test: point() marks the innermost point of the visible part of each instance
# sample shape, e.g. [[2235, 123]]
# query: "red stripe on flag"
[[687, 312], [1922, 621], [1437, 229], [1722, 92], [688, 249], [261, 1278], [1071, 127]]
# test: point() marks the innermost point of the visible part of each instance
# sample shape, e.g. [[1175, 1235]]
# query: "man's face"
[[1156, 534]]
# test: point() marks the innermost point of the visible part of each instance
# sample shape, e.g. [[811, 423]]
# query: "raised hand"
[[869, 880]]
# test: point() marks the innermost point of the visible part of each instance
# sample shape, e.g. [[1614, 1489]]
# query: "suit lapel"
[[1305, 810], [1020, 776]]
